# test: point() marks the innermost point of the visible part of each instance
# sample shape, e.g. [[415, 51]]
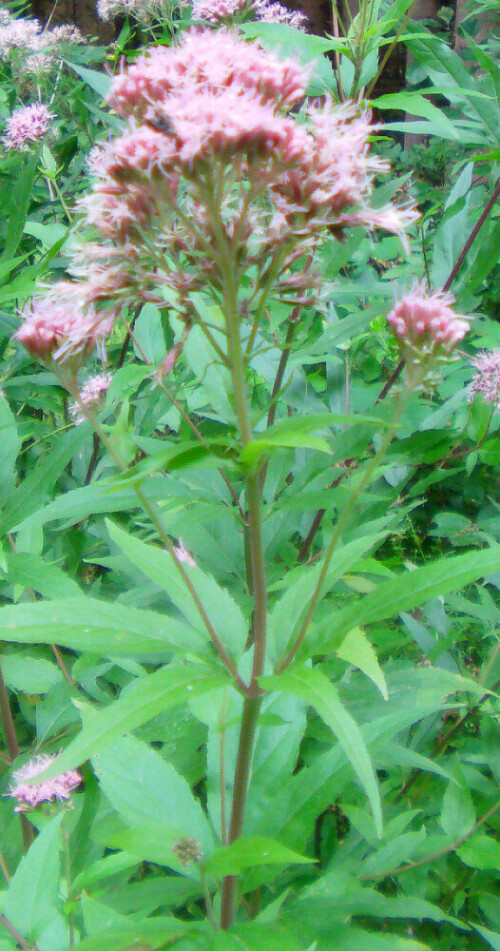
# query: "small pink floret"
[[425, 319], [487, 377], [31, 796], [26, 125]]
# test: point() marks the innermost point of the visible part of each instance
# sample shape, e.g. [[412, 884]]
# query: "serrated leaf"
[[145, 699], [225, 615], [249, 851], [154, 933], [357, 650], [101, 627], [31, 902], [310, 684], [410, 590]]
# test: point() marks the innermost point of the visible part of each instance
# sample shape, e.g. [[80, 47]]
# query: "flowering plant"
[[211, 219]]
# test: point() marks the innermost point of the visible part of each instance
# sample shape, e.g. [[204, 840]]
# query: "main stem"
[[253, 701]]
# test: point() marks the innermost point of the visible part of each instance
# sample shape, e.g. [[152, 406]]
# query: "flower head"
[[59, 329], [30, 796], [427, 329], [144, 11], [187, 851], [91, 394], [26, 125], [487, 376]]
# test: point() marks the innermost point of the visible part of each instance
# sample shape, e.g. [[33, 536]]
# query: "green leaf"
[[31, 902], [313, 686], [255, 937], [458, 815], [11, 444], [154, 933], [30, 675], [417, 105], [296, 433], [357, 650], [160, 567], [141, 786], [492, 937], [410, 590], [249, 851], [149, 339], [101, 627], [19, 206], [31, 571], [480, 851], [99, 82], [144, 700]]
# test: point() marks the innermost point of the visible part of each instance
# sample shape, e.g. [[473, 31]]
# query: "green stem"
[[364, 481], [257, 583], [249, 723]]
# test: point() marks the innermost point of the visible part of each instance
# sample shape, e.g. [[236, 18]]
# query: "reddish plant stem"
[[18, 938], [473, 235]]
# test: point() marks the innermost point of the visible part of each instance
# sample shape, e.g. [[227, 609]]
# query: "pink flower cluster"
[[425, 320], [487, 377], [427, 330], [59, 327], [31, 796], [27, 125], [30, 47], [228, 12], [213, 158]]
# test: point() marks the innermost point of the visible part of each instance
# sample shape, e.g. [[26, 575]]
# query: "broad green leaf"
[[313, 686], [255, 937], [100, 82], [225, 615], [101, 627], [249, 851], [296, 433], [417, 105], [141, 786], [11, 444], [32, 897], [149, 338], [144, 700], [104, 868], [357, 650], [492, 937], [30, 675], [410, 590], [481, 851], [20, 203], [458, 815], [153, 933], [31, 571]]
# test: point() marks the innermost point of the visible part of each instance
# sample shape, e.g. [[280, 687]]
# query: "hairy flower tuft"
[[144, 11], [58, 328], [26, 125], [31, 796], [91, 394], [487, 377], [229, 12], [187, 851]]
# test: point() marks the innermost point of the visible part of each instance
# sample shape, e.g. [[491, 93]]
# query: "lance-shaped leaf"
[[316, 689], [148, 697]]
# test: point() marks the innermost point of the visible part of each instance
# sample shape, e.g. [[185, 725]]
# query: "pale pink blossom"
[[31, 796], [27, 125], [91, 395], [424, 320], [144, 11], [209, 62], [57, 329], [278, 13], [220, 11], [487, 377], [30, 47]]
